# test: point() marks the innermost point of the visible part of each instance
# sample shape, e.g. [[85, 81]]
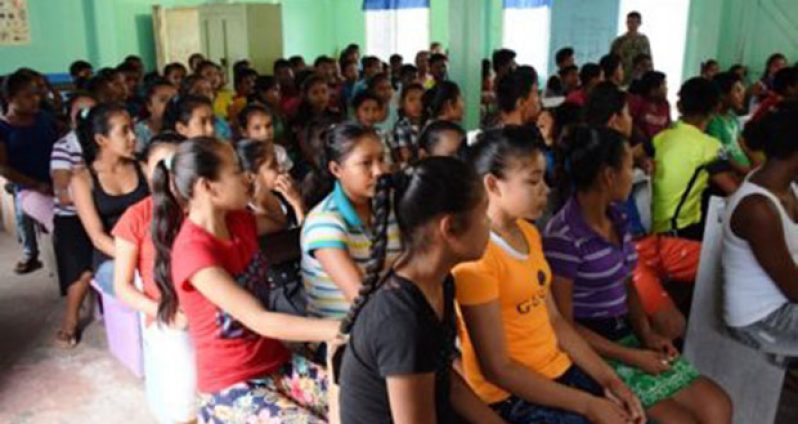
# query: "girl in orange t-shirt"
[[519, 355]]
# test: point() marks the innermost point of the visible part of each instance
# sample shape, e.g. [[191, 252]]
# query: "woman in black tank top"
[[111, 182]]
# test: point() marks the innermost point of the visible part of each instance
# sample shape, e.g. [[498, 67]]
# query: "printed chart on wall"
[[14, 27]]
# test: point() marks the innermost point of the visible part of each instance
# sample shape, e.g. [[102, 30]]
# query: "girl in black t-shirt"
[[397, 366]]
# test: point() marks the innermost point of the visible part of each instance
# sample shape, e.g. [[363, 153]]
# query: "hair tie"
[[84, 112], [168, 162]]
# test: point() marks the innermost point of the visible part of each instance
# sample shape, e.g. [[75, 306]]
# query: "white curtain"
[[404, 31], [526, 30]]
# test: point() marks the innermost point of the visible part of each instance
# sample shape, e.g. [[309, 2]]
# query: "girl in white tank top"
[[749, 293], [761, 298]]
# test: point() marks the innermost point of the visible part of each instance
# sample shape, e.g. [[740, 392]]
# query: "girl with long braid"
[[397, 366]]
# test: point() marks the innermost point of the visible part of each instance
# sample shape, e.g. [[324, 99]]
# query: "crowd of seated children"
[[169, 181]]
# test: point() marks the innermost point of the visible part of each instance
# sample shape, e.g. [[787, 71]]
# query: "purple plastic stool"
[[123, 329]]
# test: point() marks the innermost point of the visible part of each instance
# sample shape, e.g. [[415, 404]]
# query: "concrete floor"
[[41, 383]]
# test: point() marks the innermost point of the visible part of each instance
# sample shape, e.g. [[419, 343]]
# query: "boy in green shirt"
[[681, 152], [725, 126]]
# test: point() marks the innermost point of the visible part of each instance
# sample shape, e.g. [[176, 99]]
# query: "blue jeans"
[[518, 411], [26, 233], [104, 276]]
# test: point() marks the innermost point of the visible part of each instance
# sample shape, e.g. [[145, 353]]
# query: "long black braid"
[[433, 186], [381, 211]]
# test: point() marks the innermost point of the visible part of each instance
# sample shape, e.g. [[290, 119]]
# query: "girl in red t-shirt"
[[209, 259], [170, 375]]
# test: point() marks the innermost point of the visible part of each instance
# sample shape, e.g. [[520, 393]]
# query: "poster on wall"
[[14, 29]]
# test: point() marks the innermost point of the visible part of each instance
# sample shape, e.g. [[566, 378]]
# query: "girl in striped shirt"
[[335, 237], [590, 250], [71, 243]]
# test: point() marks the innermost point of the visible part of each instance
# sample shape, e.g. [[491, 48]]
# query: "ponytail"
[[167, 216], [172, 186]]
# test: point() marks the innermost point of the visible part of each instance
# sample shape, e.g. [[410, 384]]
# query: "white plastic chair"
[[750, 377]]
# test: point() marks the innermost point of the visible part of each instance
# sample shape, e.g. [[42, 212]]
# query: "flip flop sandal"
[[66, 340]]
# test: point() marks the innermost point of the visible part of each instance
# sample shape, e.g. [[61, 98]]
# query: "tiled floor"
[[41, 383]]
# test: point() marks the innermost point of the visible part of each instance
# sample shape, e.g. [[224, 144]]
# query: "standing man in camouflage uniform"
[[631, 44]]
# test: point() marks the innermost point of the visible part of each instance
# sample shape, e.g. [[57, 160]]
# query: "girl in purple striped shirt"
[[592, 257]]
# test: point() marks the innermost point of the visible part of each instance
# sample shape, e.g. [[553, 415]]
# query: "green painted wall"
[[349, 24], [105, 31], [439, 22], [740, 31], [307, 28], [58, 35]]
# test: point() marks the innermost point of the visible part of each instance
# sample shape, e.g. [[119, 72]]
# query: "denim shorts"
[[104, 276]]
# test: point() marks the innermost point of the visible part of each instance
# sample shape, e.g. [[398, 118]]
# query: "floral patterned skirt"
[[294, 394]]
